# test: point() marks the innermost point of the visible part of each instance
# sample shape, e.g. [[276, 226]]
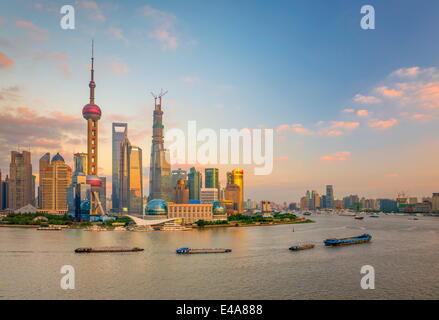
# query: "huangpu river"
[[404, 254]]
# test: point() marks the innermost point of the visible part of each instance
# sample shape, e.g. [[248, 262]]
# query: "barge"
[[186, 250], [108, 249], [348, 241], [302, 247]]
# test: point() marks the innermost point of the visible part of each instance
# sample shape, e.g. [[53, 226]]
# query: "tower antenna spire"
[[92, 84]]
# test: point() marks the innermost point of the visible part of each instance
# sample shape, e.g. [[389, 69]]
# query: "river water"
[[404, 254]]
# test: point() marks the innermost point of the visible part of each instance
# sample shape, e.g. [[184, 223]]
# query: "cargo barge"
[[302, 247], [348, 241], [107, 249], [186, 250]]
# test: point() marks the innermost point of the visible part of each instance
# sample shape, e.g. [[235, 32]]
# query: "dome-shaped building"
[[58, 157], [218, 208], [157, 207]]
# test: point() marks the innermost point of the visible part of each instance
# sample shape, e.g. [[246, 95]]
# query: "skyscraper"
[[4, 190], [195, 183], [329, 197], [211, 178], [238, 179], [20, 180], [119, 133], [92, 113], [160, 168], [80, 162], [176, 175], [232, 192], [55, 179], [130, 178], [181, 192]]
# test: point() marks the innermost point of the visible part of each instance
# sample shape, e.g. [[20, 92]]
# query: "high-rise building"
[[55, 179], [435, 203], [176, 175], [238, 179], [304, 203], [181, 192], [229, 178], [80, 162], [5, 194], [351, 202], [329, 197], [195, 183], [160, 168], [130, 178], [92, 113], [211, 178], [232, 192], [266, 208], [314, 200], [119, 133], [208, 195], [20, 180]]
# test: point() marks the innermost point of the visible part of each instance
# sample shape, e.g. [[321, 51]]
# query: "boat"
[[107, 249], [50, 228], [302, 247], [374, 216], [348, 241], [307, 214], [186, 250], [171, 226], [359, 218]]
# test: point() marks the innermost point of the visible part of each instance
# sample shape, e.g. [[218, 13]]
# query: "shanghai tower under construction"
[[160, 168]]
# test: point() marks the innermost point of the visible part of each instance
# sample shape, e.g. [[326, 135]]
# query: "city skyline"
[[371, 132]]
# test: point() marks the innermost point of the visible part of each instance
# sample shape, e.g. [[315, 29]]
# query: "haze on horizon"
[[353, 108]]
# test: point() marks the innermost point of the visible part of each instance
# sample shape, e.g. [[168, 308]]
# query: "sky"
[[354, 108]]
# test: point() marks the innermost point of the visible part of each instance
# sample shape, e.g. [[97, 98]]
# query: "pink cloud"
[[284, 158], [407, 72], [390, 93], [338, 156], [118, 67], [5, 61], [345, 124], [117, 34], [93, 10], [392, 175], [164, 27], [283, 128], [363, 113], [366, 99], [383, 124], [348, 110]]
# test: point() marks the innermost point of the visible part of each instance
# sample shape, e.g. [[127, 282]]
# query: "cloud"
[[5, 61], [283, 158], [283, 128], [348, 125], [363, 113], [118, 67], [35, 33], [348, 110], [389, 93], [94, 12], [116, 34], [59, 60], [392, 175], [164, 27], [37, 129], [338, 156], [407, 72], [366, 99], [2, 20], [10, 93], [383, 124], [189, 79], [333, 129]]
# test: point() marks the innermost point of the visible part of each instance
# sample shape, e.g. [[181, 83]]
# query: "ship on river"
[[348, 241]]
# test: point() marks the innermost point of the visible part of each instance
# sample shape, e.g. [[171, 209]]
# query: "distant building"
[[119, 133], [388, 205], [232, 193], [191, 213], [329, 199], [351, 202], [20, 180], [238, 179], [55, 179], [304, 202], [211, 178], [413, 200], [195, 183], [176, 175], [266, 208], [181, 192], [314, 200], [130, 178], [323, 202], [208, 195], [371, 204], [435, 202]]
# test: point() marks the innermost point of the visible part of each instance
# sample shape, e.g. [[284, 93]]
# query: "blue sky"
[[304, 68]]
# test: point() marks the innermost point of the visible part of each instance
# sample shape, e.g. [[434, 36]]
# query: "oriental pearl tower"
[[92, 113]]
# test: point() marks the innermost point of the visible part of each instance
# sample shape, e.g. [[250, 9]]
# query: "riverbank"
[[257, 224]]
